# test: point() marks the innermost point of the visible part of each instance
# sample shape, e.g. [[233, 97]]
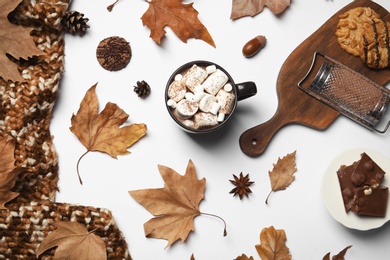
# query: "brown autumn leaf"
[[339, 256], [174, 206], [281, 175], [273, 245], [244, 257], [102, 132], [73, 242], [241, 8], [8, 171], [181, 18], [15, 40]]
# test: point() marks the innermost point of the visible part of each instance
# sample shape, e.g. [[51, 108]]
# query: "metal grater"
[[349, 92]]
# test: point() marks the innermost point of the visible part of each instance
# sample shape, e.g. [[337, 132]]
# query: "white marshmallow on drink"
[[205, 120], [206, 103], [198, 96], [215, 108], [228, 87], [177, 91], [186, 108], [226, 100], [221, 117], [178, 77], [189, 96], [211, 69], [171, 103], [215, 82], [194, 77]]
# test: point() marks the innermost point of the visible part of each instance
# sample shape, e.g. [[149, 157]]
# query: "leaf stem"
[[77, 166], [109, 8], [269, 194], [216, 216]]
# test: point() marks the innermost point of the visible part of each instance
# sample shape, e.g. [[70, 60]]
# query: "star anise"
[[242, 185]]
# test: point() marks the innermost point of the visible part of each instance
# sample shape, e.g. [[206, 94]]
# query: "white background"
[[299, 210]]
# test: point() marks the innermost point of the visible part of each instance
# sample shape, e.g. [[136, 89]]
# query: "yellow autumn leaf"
[[273, 245], [73, 242], [174, 206], [102, 132], [281, 175]]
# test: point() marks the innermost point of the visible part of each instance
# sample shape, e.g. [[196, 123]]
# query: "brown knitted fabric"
[[25, 226], [25, 113]]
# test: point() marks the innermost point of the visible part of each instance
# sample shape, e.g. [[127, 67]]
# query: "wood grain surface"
[[294, 105]]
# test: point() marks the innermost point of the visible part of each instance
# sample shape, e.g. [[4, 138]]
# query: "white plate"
[[331, 193]]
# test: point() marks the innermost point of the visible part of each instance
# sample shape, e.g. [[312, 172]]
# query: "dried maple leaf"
[[174, 206], [181, 18], [273, 245], [241, 8], [339, 256], [242, 185], [281, 175], [244, 257], [102, 132], [74, 242], [15, 40], [8, 171]]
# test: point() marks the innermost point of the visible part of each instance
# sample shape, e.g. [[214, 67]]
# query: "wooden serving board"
[[295, 106]]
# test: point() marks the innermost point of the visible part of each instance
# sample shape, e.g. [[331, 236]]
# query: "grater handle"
[[255, 140]]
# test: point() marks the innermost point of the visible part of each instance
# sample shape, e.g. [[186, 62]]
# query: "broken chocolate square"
[[371, 202], [361, 188]]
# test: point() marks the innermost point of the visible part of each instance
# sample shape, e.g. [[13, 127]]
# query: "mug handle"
[[245, 90]]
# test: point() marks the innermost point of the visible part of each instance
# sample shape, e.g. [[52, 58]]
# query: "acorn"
[[254, 46]]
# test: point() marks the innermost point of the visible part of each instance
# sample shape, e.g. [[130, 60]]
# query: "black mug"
[[240, 91]]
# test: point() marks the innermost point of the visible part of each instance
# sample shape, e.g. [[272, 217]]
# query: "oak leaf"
[[73, 242], [273, 245], [241, 8], [8, 171], [102, 132], [174, 206], [281, 175], [15, 40], [181, 18], [244, 257], [339, 256]]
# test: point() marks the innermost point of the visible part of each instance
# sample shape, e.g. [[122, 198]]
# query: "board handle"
[[255, 140]]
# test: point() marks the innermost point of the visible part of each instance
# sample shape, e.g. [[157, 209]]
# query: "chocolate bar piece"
[[361, 188], [371, 202], [346, 186], [367, 172]]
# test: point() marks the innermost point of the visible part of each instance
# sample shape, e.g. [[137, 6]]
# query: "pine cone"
[[142, 89], [74, 23]]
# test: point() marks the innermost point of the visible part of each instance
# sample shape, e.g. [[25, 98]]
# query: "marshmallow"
[[199, 88], [228, 87], [186, 108], [215, 108], [205, 120], [226, 99], [189, 96], [206, 103], [188, 123], [194, 77], [198, 96], [215, 82], [176, 91], [178, 77], [221, 117], [171, 103], [211, 69]]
